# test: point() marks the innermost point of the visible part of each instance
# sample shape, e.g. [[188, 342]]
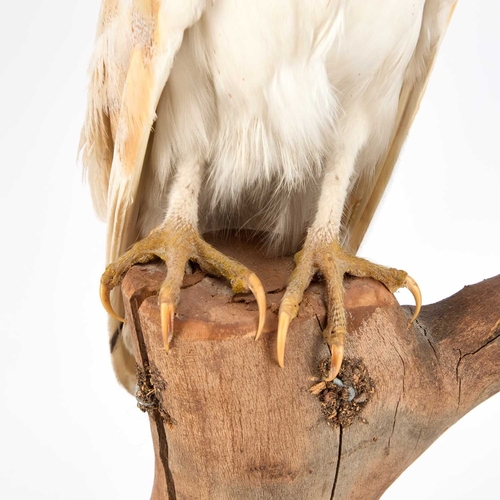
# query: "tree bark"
[[228, 423]]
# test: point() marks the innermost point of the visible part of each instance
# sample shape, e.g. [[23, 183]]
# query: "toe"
[[176, 245], [393, 279], [335, 331], [289, 307], [241, 278]]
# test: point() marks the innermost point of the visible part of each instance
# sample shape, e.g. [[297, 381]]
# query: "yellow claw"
[[283, 324], [336, 361], [167, 310], [260, 296], [104, 292], [411, 284]]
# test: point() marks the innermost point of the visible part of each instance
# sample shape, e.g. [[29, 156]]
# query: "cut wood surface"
[[228, 423]]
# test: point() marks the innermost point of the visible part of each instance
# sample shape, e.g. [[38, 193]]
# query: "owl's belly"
[[265, 91]]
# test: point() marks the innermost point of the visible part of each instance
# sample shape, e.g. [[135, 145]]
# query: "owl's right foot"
[[319, 254], [176, 242]]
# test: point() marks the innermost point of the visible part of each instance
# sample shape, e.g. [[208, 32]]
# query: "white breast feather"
[[264, 91]]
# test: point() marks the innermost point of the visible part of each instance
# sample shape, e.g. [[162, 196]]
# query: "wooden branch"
[[228, 423]]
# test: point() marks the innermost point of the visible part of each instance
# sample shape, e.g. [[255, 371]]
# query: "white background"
[[67, 430]]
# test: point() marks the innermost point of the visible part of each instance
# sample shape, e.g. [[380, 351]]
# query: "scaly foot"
[[177, 242], [333, 262]]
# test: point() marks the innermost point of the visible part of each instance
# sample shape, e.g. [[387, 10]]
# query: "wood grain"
[[228, 423]]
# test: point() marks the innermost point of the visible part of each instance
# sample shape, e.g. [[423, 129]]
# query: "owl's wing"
[[134, 50], [369, 188]]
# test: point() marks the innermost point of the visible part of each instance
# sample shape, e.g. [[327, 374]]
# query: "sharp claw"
[[167, 322], [104, 292], [260, 296], [411, 284], [336, 362], [283, 323]]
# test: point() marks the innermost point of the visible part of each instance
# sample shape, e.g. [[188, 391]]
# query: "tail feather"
[[121, 349]]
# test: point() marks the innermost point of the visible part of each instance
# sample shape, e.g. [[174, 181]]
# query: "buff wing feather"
[[369, 188], [134, 51]]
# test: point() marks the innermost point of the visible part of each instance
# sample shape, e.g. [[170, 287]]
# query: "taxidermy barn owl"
[[281, 116]]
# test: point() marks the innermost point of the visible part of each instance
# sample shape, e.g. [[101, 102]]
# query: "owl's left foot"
[[176, 242], [333, 262]]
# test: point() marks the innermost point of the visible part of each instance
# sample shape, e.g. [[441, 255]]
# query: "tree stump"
[[228, 423]]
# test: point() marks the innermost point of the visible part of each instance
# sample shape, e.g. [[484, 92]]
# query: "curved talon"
[[411, 284], [336, 362], [283, 324], [104, 292], [167, 310], [260, 296]]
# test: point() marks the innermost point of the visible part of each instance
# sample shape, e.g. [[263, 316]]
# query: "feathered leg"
[[322, 252], [176, 241]]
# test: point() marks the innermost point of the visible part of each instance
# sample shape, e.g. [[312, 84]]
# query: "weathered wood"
[[228, 423]]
